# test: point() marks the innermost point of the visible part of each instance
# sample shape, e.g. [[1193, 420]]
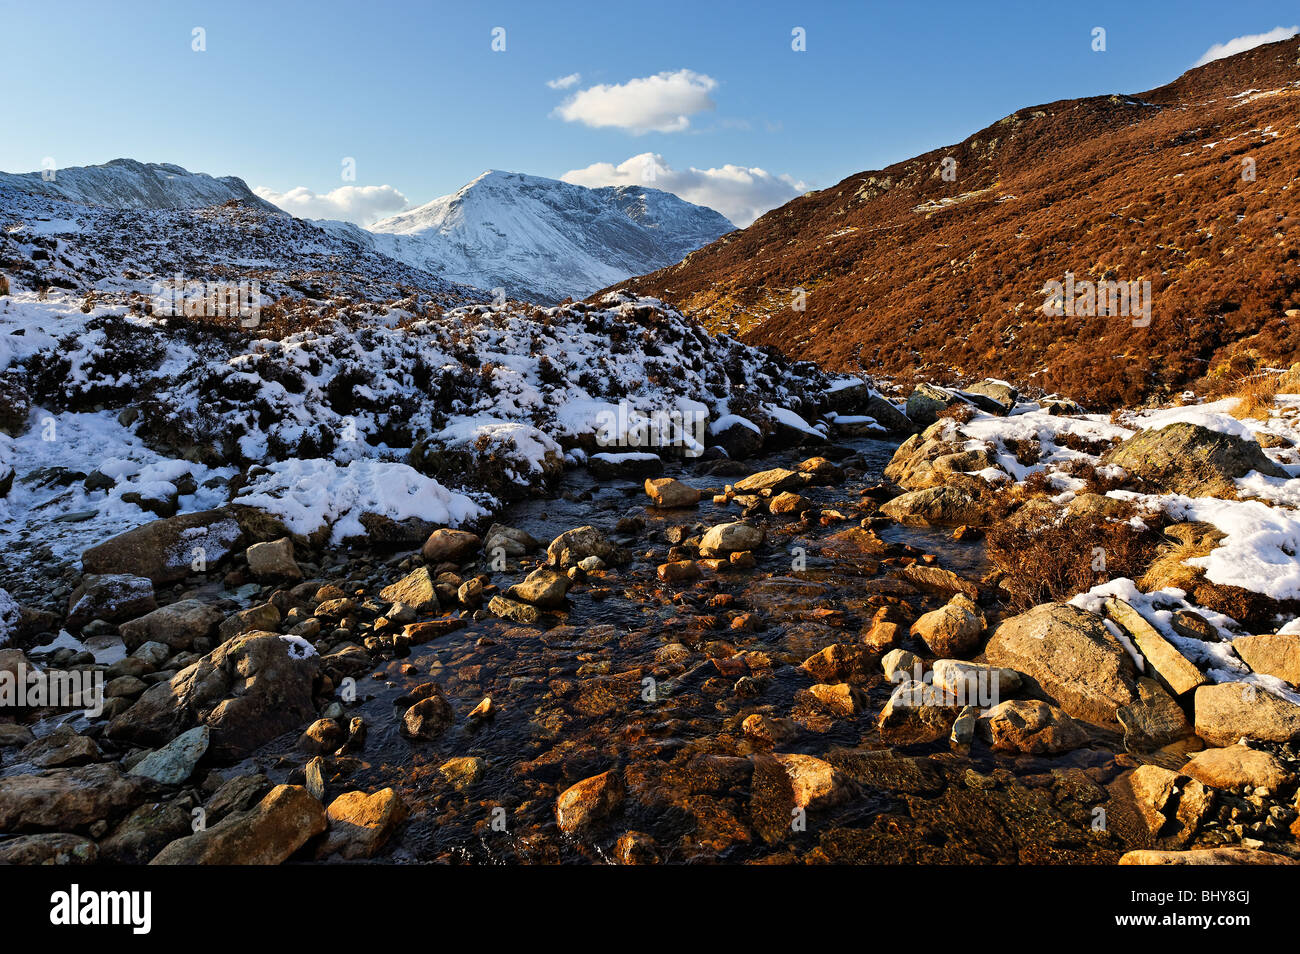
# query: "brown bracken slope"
[[909, 276]]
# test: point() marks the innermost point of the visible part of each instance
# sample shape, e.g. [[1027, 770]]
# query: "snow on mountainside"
[[544, 240], [129, 184]]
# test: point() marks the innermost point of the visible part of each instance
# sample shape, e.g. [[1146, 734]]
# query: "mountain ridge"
[[910, 275]]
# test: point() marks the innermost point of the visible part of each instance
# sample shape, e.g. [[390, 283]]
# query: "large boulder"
[[999, 394], [1274, 655], [634, 465], [1031, 726], [1229, 711], [775, 480], [1234, 766], [68, 799], [1175, 671], [951, 630], [946, 506], [176, 625], [247, 691], [111, 597], [168, 550], [927, 402], [267, 834], [360, 824], [273, 560], [1186, 458], [739, 437], [417, 590], [1071, 657], [1226, 855]]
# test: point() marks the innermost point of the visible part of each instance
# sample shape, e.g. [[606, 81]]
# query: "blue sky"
[[284, 91]]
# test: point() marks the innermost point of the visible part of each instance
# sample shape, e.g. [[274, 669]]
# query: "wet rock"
[[1185, 458], [524, 614], [174, 762], [574, 546], [729, 538], [768, 730], [167, 550], [783, 787], [1234, 766], [273, 560], [543, 587], [1272, 655], [110, 597], [323, 735], [429, 717], [508, 541], [176, 625], [237, 794], [54, 848], [667, 493], [952, 630], [788, 503], [1027, 725], [835, 663], [416, 590], [838, 699], [588, 802], [463, 771], [66, 799], [247, 691], [1228, 711], [1071, 657], [470, 593], [1178, 674], [12, 735], [360, 824], [678, 571], [61, 748], [450, 546], [917, 713], [774, 481], [635, 465], [1154, 721], [636, 848], [267, 834]]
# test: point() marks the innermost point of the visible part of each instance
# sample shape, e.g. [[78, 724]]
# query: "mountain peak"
[[545, 239]]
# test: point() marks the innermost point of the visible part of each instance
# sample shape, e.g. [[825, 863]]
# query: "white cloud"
[[1240, 44], [360, 204], [564, 82], [740, 193], [660, 103]]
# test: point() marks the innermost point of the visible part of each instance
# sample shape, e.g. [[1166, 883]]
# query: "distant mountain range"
[[540, 240], [936, 267]]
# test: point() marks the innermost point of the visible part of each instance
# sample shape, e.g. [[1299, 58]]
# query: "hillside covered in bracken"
[[1191, 186]]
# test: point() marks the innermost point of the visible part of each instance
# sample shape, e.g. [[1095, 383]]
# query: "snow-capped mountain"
[[129, 184], [542, 239]]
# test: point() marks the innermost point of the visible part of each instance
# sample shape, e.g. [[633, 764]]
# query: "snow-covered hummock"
[[542, 239], [129, 184]]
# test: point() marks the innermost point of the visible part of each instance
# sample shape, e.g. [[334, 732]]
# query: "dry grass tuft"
[[1255, 394]]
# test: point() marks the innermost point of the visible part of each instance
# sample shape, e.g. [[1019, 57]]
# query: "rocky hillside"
[[912, 273]]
